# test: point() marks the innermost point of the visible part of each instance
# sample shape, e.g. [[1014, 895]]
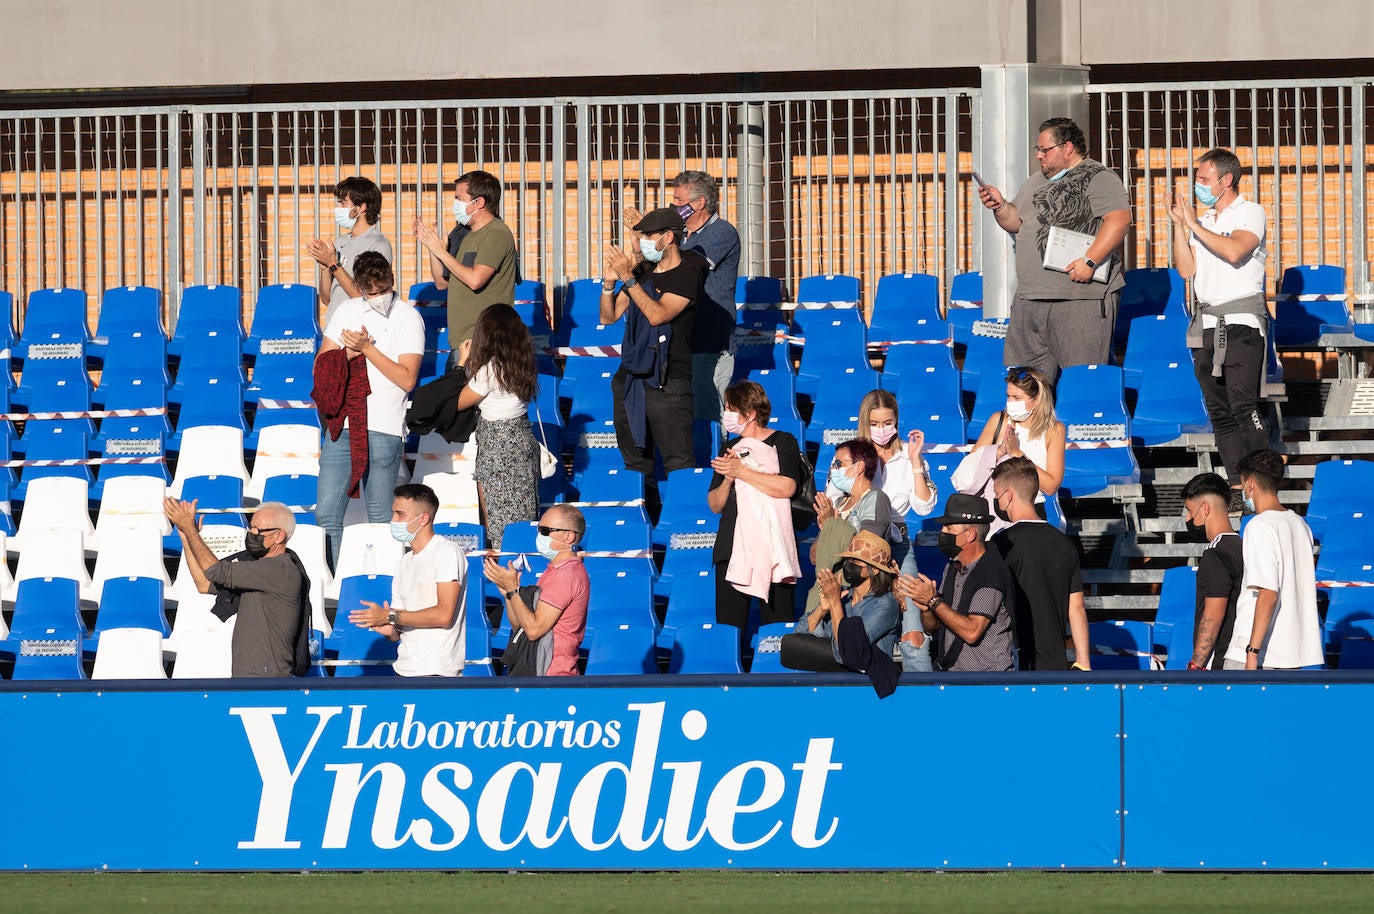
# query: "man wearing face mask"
[[1219, 570], [970, 614], [426, 611], [653, 386], [558, 607], [357, 208], [1063, 318], [483, 272], [265, 585], [388, 334], [1223, 253], [697, 200], [1045, 568]]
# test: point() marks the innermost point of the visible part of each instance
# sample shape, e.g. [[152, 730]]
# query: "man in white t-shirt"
[[1223, 253], [426, 612], [1277, 627], [388, 332]]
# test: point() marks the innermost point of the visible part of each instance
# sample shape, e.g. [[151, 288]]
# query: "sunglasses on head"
[[1020, 373]]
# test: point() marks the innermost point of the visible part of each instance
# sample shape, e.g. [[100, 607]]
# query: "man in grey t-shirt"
[[267, 579], [1061, 319]]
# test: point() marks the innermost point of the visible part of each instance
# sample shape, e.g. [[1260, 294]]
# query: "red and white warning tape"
[[85, 461], [85, 414]]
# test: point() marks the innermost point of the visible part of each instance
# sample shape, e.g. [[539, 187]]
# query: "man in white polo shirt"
[[426, 612], [386, 331], [1223, 253]]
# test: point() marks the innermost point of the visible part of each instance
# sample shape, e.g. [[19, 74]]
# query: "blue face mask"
[[841, 480], [650, 250], [1204, 194], [344, 218], [400, 531], [1248, 501], [1062, 172], [544, 545]]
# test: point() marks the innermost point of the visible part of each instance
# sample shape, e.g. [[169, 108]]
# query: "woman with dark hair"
[[500, 366], [862, 506], [868, 575], [755, 553]]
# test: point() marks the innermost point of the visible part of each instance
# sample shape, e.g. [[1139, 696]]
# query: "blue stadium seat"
[[990, 400], [286, 316], [218, 402], [918, 358], [1356, 654], [1176, 606], [620, 597], [1155, 340], [209, 357], [757, 345], [684, 509], [1149, 292], [1345, 553], [8, 338], [129, 441], [1121, 645], [426, 293], [709, 648], [64, 395], [692, 602], [48, 661], [930, 401], [1170, 404], [295, 490], [843, 346], [767, 645], [961, 321], [207, 310], [623, 650], [1311, 302], [282, 377], [1349, 614], [127, 313], [616, 529], [214, 494], [832, 290], [143, 360], [351, 642], [131, 603], [57, 440], [544, 409], [599, 474], [966, 291], [836, 416], [434, 360], [1179, 646], [780, 384], [581, 314], [685, 561], [54, 316], [47, 381], [758, 293], [1339, 487], [587, 382], [1092, 407], [901, 300], [983, 348], [46, 609]]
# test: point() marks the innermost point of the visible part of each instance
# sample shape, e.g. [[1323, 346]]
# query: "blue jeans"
[[914, 659], [384, 454]]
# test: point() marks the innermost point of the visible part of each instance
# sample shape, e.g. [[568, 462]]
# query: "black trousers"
[[1233, 400], [732, 607], [804, 651], [668, 412]]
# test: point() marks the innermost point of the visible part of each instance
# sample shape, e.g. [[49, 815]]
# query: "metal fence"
[[866, 184], [1304, 144]]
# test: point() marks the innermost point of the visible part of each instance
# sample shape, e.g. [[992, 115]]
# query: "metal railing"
[[1303, 143], [866, 184]]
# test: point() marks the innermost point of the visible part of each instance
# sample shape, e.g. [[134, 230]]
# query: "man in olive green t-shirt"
[[483, 271]]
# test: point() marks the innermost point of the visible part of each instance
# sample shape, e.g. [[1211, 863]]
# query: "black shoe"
[[1236, 506]]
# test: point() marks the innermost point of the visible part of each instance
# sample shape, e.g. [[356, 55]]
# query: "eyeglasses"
[[1045, 150], [259, 531], [836, 465], [548, 531]]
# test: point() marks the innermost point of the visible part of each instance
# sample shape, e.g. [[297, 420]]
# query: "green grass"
[[635, 893]]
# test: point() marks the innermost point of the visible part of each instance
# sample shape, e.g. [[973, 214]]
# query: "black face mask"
[[853, 572], [254, 546], [948, 546], [997, 509], [1196, 532]]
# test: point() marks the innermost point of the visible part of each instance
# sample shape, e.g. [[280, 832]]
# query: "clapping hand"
[[322, 251], [825, 509]]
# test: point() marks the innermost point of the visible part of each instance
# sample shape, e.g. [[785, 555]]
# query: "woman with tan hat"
[[866, 593]]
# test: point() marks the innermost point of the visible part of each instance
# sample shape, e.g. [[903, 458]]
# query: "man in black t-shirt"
[[1044, 564], [653, 386], [1205, 500]]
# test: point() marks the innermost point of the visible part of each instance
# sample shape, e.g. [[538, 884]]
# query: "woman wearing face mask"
[[755, 552], [901, 474], [1027, 427], [868, 575], [500, 361]]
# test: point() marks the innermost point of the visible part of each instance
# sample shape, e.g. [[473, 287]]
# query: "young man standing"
[[1205, 500], [482, 273], [358, 207], [1277, 627], [386, 332], [426, 612], [1223, 253]]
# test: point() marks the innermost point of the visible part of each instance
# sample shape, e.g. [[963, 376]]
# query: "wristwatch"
[[333, 268], [1251, 650], [628, 284], [1090, 263], [391, 617], [510, 594]]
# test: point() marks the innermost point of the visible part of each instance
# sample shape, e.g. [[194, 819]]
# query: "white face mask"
[[343, 219], [382, 304], [1019, 410], [460, 212]]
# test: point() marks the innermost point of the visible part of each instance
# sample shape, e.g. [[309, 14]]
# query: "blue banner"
[[630, 775]]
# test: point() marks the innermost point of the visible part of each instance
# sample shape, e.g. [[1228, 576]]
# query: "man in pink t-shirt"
[[561, 601]]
